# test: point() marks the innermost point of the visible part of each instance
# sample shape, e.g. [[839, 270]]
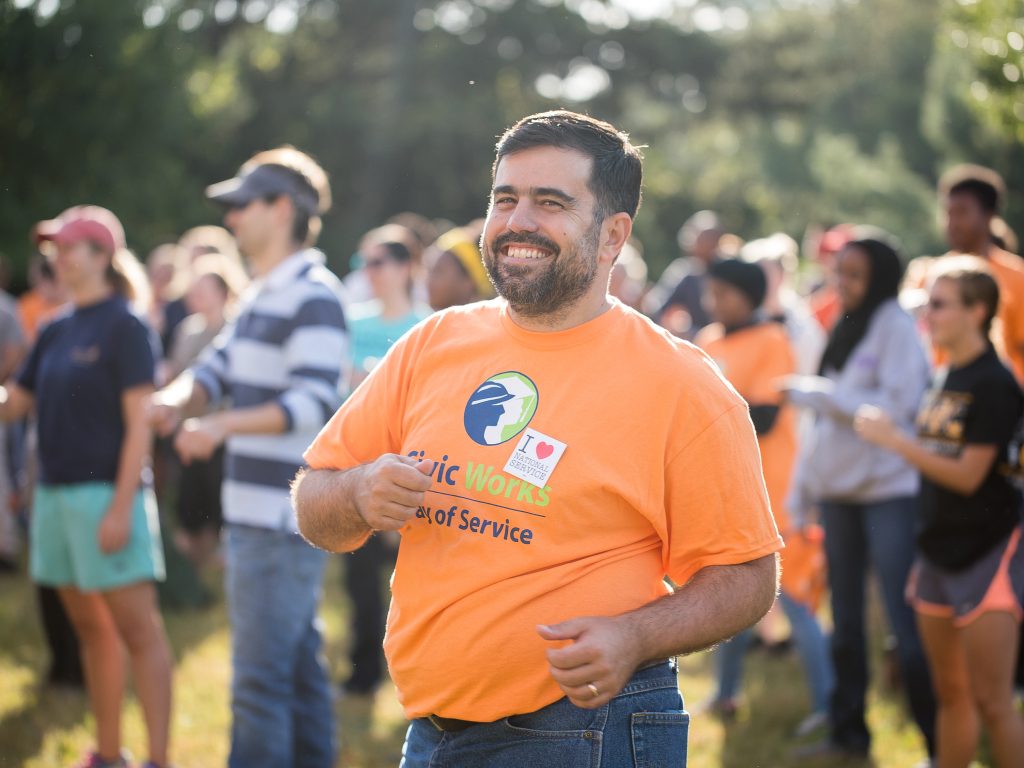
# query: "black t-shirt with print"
[[978, 404]]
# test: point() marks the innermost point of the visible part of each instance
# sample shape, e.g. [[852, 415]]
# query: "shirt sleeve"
[[369, 424], [316, 353], [993, 414], [134, 354], [716, 502]]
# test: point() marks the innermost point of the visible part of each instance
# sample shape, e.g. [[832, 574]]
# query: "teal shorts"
[[63, 539]]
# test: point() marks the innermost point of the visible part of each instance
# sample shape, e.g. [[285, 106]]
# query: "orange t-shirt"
[[753, 359], [826, 307], [1008, 271], [659, 477], [33, 311]]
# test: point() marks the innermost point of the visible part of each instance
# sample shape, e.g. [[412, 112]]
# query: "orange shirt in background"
[[826, 307], [33, 311], [753, 359], [660, 476]]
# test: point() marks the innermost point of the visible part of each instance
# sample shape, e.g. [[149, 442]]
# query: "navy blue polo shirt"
[[77, 371]]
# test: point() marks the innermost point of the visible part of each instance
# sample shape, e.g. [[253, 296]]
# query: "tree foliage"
[[778, 114]]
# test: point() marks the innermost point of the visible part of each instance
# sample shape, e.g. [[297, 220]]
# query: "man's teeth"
[[517, 252]]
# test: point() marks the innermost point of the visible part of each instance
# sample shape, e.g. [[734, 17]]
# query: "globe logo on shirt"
[[500, 408]]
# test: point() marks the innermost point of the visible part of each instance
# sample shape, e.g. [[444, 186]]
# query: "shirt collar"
[[290, 268]]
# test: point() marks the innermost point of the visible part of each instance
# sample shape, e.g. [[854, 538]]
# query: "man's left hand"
[[199, 438], [601, 656]]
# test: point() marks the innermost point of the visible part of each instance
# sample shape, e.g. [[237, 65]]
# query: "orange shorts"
[[993, 583]]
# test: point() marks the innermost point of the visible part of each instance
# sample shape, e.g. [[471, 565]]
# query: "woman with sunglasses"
[[967, 585], [95, 534], [375, 326]]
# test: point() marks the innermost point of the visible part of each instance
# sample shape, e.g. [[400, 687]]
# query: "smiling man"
[[530, 622]]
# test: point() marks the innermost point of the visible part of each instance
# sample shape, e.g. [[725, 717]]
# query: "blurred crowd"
[[842, 344]]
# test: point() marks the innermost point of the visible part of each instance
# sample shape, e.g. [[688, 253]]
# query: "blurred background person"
[[823, 247], [628, 282], [216, 285], [167, 267], [867, 496], [281, 363], [1004, 237], [455, 271], [675, 302], [357, 282], [95, 533], [753, 353], [43, 299], [967, 586], [209, 238], [12, 350], [374, 326], [971, 196], [778, 256]]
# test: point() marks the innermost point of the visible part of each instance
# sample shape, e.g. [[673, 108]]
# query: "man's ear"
[[615, 232]]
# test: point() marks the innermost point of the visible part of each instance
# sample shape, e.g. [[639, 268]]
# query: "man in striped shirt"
[[279, 368]]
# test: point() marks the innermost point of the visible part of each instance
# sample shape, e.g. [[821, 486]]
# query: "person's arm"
[[198, 438], [339, 509], [901, 377], [13, 354], [314, 352], [195, 390], [116, 526], [183, 398], [964, 473], [15, 402], [604, 652]]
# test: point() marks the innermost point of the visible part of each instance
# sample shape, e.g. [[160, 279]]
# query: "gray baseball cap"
[[266, 181]]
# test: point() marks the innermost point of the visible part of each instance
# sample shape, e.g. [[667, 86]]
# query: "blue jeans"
[[880, 534], [810, 644], [282, 714], [644, 726]]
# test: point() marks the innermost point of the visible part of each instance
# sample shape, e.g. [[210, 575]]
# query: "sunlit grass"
[[44, 728]]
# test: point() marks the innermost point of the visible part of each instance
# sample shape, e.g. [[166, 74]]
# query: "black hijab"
[[884, 275]]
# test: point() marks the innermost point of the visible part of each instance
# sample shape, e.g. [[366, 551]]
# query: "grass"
[[44, 728]]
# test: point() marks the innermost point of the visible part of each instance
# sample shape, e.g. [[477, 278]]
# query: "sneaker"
[[94, 760], [723, 709], [810, 724]]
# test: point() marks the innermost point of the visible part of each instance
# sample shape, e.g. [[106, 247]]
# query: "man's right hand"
[[391, 489]]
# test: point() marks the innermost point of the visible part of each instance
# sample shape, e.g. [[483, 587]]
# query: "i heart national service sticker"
[[535, 457]]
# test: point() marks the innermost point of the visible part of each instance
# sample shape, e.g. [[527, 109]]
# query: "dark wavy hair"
[[616, 176], [884, 274]]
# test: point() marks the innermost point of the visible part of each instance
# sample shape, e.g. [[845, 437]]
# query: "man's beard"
[[535, 292]]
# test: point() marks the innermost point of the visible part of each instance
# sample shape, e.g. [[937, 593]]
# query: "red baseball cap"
[[82, 222], [835, 239]]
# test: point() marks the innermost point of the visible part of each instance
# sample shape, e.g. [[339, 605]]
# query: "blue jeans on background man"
[[810, 644], [282, 715], [644, 725], [880, 534]]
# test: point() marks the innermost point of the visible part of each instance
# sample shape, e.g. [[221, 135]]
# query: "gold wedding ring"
[[593, 690]]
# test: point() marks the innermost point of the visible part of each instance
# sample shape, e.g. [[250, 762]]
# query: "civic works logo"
[[500, 408]]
